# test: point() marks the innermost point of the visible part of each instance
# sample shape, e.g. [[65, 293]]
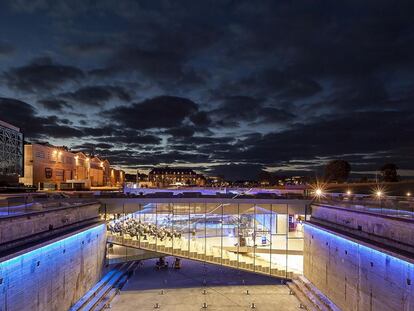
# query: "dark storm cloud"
[[92, 146], [276, 83], [41, 75], [254, 84], [234, 109], [54, 104], [89, 48], [133, 139], [25, 116], [97, 95], [158, 112], [365, 132]]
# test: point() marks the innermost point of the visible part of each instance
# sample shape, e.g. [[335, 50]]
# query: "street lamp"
[[379, 194], [349, 192], [318, 192]]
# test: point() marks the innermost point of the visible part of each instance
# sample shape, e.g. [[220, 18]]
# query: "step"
[[89, 295], [309, 294], [318, 294], [115, 282], [304, 301], [105, 301]]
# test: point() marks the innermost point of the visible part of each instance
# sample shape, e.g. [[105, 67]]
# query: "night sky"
[[228, 87]]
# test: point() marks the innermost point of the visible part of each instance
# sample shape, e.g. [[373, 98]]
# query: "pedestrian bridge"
[[257, 237], [214, 255]]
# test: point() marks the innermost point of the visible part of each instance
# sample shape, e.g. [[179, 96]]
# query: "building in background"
[[171, 176], [51, 167], [11, 154]]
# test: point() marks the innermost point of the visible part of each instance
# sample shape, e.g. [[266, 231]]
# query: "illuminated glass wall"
[[265, 238]]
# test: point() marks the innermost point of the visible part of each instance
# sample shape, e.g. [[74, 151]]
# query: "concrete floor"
[[183, 289]]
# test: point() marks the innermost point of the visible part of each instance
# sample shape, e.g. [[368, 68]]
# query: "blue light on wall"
[[81, 236], [368, 256]]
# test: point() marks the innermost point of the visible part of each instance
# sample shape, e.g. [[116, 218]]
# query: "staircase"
[[197, 250], [100, 296], [311, 298]]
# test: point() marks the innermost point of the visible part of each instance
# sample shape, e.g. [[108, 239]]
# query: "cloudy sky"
[[228, 87]]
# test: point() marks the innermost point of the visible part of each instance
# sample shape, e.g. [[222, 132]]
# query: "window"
[[48, 172], [40, 154]]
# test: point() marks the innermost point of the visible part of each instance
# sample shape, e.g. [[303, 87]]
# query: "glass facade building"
[[261, 237]]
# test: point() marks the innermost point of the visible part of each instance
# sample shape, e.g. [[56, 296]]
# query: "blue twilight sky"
[[228, 87]]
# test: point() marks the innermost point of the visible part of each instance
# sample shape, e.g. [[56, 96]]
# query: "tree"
[[389, 172], [337, 170]]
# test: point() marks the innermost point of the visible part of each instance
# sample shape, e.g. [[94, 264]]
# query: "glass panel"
[[213, 232], [247, 234], [197, 227]]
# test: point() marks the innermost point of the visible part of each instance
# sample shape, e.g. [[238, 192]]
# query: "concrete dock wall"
[[53, 276], [392, 231], [16, 230], [355, 276]]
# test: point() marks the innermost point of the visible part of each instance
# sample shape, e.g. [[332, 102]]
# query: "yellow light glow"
[[349, 192], [378, 193], [408, 194], [318, 192]]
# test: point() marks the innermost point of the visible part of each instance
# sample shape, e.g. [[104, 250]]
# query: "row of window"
[[59, 173]]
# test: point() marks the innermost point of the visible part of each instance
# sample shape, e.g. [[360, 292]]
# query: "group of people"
[[136, 228]]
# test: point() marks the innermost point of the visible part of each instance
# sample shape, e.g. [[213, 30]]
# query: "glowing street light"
[[319, 192], [408, 194], [349, 192], [379, 193]]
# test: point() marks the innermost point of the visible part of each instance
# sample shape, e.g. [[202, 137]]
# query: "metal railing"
[[396, 206]]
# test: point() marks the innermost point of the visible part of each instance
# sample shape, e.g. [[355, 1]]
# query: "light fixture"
[[349, 192], [378, 193], [408, 194], [318, 192]]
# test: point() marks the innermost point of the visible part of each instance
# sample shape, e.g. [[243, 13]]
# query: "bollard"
[[204, 306], [157, 306], [162, 292], [301, 306], [204, 292], [253, 306], [290, 292], [247, 292]]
